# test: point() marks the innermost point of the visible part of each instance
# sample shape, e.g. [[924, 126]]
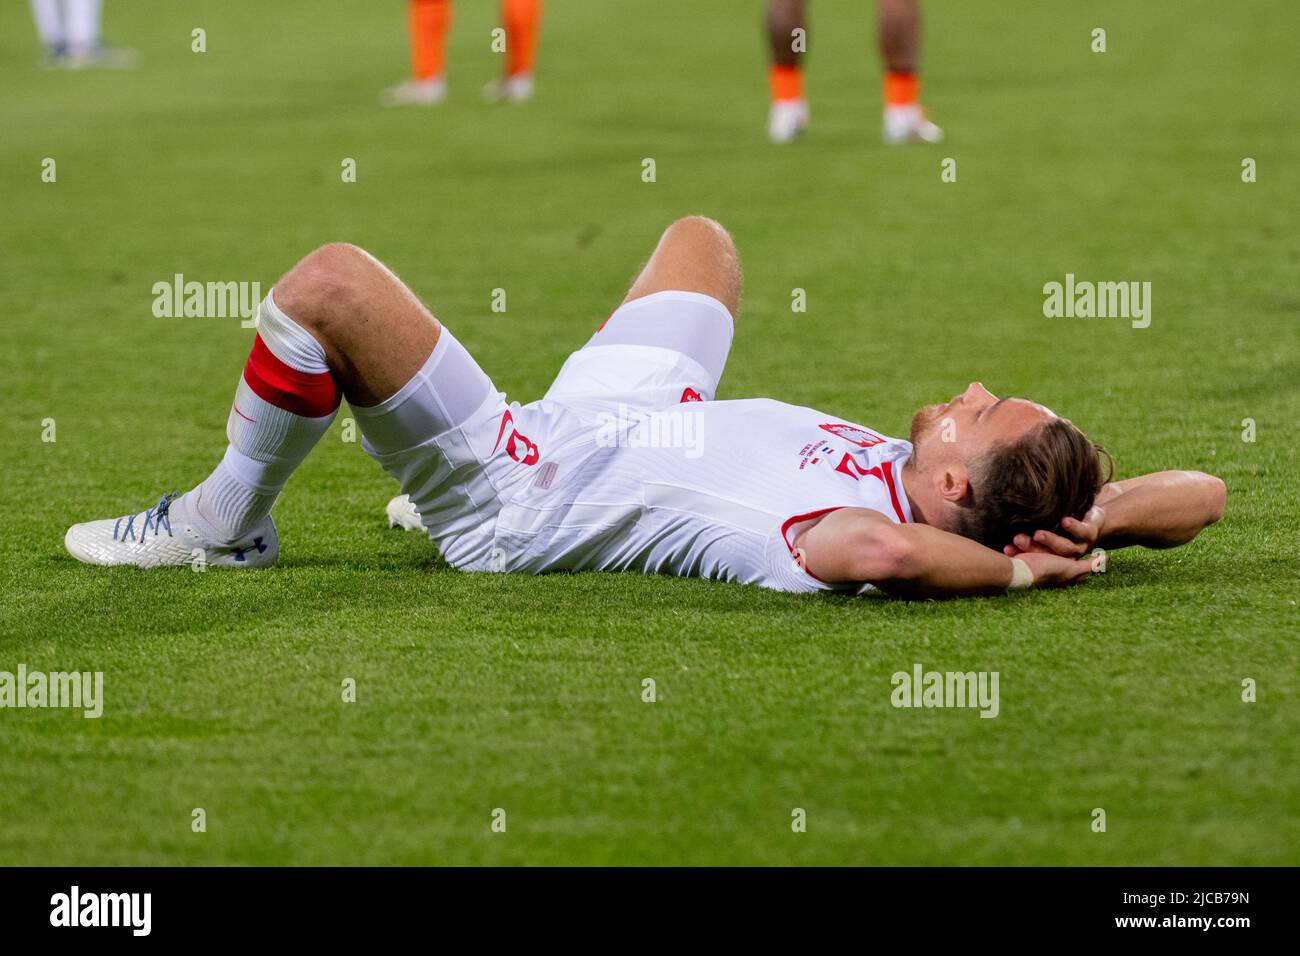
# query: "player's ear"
[[952, 483]]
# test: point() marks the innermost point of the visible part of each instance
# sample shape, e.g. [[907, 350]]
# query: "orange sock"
[[901, 88], [429, 21], [521, 19], [786, 82]]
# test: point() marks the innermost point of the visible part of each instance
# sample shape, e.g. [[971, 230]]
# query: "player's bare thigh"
[[695, 254], [375, 332]]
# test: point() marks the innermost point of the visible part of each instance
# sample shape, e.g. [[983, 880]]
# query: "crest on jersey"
[[853, 434]]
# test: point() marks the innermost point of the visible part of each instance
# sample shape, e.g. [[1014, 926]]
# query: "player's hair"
[[1033, 482]]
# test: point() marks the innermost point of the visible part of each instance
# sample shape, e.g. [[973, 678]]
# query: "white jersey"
[[627, 464], [714, 490]]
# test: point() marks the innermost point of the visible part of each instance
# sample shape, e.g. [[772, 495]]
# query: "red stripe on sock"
[[309, 394]]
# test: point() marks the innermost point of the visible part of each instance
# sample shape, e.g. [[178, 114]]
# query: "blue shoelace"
[[156, 519]]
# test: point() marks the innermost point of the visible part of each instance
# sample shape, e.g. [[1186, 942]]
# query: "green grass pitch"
[[476, 692]]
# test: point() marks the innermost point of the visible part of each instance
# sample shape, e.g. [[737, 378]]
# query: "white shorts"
[[462, 463]]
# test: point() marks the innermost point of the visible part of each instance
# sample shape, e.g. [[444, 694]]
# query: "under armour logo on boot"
[[258, 546]]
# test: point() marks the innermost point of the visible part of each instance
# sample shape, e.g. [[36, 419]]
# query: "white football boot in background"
[[787, 120], [513, 89], [101, 58], [165, 535], [908, 124], [416, 93]]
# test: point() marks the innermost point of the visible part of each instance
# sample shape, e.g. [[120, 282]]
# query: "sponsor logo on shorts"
[[518, 446]]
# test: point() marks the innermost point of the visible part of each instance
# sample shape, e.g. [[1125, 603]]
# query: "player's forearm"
[[928, 562], [1161, 510], [853, 545]]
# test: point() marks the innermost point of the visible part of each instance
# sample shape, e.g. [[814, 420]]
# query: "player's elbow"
[[1203, 499], [1204, 495], [1216, 496]]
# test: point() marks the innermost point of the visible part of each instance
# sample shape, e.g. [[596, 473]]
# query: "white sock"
[[285, 402], [49, 23]]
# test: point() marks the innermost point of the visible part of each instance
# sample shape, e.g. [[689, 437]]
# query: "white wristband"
[[1021, 576]]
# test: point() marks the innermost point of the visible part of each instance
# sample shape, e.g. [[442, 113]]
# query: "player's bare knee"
[[702, 229], [324, 285], [710, 242], [728, 263]]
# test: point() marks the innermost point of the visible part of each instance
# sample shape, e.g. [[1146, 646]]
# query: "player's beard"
[[924, 421]]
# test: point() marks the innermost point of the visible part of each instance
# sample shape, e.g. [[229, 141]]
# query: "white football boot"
[[164, 536], [416, 93], [511, 89], [402, 514], [787, 121], [100, 58], [909, 124]]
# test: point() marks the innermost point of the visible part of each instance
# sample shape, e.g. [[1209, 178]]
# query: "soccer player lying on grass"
[[628, 464]]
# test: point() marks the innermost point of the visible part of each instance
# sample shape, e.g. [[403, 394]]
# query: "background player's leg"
[[49, 26], [81, 23], [789, 114], [695, 254], [899, 26], [70, 31], [521, 19], [899, 23], [428, 22]]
